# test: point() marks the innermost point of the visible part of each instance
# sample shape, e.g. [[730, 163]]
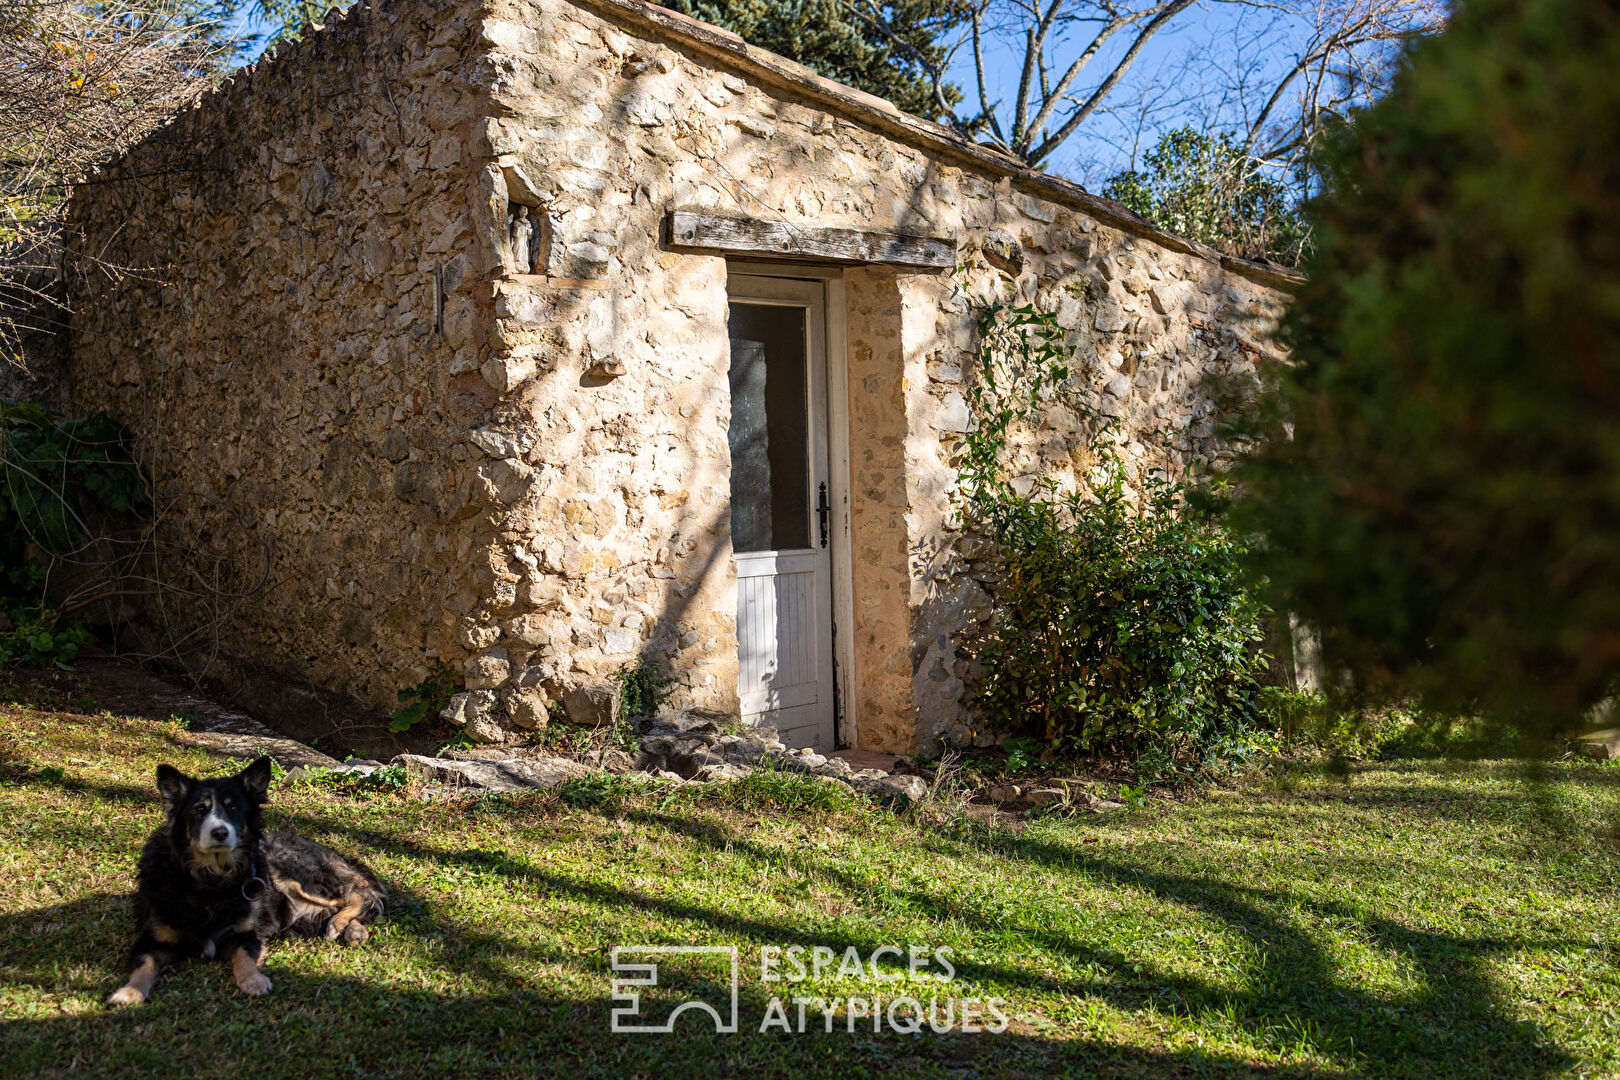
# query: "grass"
[[1420, 919]]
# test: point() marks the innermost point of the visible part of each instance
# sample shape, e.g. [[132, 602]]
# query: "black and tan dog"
[[210, 884]]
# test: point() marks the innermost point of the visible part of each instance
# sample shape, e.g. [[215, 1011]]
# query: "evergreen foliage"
[[57, 478], [826, 36], [1441, 494]]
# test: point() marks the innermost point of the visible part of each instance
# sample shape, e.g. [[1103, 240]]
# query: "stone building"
[[529, 337]]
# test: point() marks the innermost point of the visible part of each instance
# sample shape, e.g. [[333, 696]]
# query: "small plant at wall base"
[[643, 688], [426, 699], [1121, 620], [57, 477]]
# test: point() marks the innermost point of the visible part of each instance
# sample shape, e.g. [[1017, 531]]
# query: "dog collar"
[[255, 886]]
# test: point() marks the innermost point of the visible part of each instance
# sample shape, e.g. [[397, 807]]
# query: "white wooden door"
[[780, 507]]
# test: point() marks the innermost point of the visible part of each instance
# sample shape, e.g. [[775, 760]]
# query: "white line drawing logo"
[[633, 975]]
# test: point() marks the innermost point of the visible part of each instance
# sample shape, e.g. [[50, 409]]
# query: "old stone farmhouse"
[[533, 336]]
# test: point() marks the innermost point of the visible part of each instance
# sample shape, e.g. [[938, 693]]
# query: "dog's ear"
[[173, 784], [256, 779]]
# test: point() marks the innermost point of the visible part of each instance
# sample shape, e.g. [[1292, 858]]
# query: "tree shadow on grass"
[[492, 1019], [1452, 1026]]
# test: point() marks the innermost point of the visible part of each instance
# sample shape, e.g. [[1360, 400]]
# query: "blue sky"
[[1186, 74]]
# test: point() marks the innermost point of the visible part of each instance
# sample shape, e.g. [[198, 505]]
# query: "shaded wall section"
[[292, 346]]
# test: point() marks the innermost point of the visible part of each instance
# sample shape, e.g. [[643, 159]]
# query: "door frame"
[[846, 717]]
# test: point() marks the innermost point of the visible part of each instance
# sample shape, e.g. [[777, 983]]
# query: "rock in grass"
[[515, 774], [612, 761], [895, 788], [1602, 745], [722, 772], [1004, 793]]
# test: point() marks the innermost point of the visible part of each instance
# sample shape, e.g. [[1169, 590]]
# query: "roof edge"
[[726, 47]]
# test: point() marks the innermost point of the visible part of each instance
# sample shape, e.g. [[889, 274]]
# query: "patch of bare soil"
[[101, 681]]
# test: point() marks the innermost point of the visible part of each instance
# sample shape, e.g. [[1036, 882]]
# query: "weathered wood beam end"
[[711, 234]]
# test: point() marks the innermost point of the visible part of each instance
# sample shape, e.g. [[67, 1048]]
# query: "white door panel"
[[778, 440]]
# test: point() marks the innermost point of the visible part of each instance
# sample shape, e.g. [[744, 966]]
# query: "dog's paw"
[[125, 996], [356, 933], [254, 985]]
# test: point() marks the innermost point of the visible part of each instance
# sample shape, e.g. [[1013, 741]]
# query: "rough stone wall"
[[880, 500], [291, 341], [601, 124], [534, 486]]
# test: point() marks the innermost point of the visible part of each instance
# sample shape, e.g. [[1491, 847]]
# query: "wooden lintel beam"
[[691, 231]]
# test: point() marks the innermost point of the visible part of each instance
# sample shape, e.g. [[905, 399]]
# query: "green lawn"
[[1417, 920]]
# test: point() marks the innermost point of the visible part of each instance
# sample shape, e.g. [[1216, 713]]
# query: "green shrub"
[[36, 641], [1425, 735], [1351, 729], [57, 478], [1312, 721], [1121, 617], [1205, 187]]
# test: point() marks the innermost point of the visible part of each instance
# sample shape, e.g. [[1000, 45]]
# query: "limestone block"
[[1003, 252], [475, 634], [495, 774], [953, 414], [507, 373], [527, 708], [505, 480], [592, 704], [620, 642], [896, 788], [647, 106], [1109, 319], [529, 629], [487, 670], [503, 34], [499, 443], [471, 706], [1602, 745]]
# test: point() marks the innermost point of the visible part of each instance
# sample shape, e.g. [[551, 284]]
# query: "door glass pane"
[[770, 449]]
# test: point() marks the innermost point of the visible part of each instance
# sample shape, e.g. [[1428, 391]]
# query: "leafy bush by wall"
[[57, 478], [1121, 618]]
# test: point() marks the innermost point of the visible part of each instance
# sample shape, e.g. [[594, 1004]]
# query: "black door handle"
[[823, 513]]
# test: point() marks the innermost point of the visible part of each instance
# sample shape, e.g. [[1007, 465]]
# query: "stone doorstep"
[[692, 745], [867, 759], [506, 774]]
